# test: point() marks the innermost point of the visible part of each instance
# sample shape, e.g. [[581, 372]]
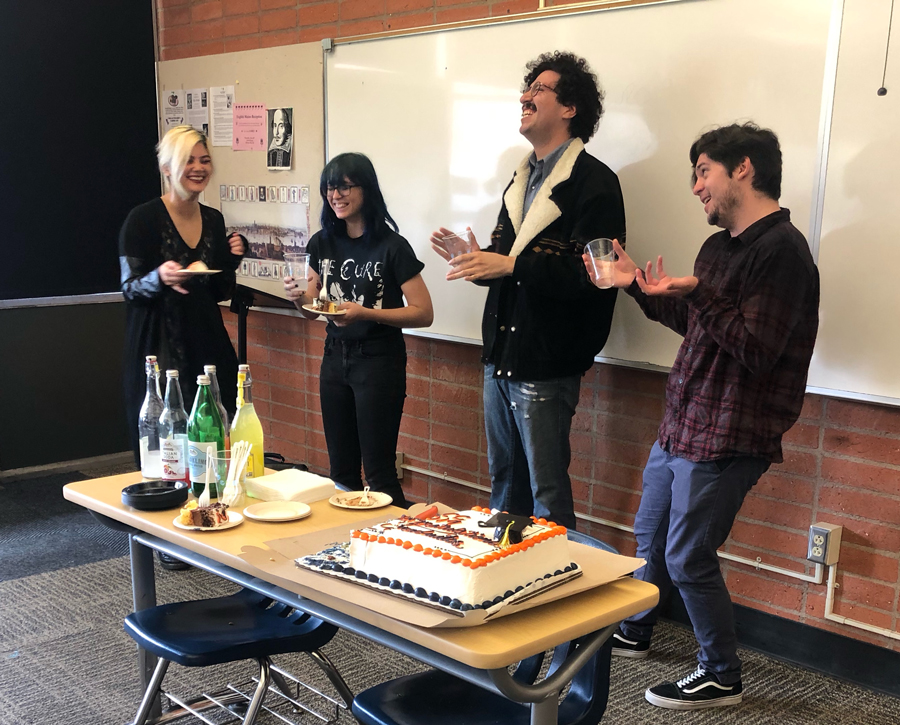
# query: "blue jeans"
[[527, 426], [686, 512]]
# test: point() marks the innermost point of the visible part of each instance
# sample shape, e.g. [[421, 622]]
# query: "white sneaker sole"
[[630, 653], [688, 705]]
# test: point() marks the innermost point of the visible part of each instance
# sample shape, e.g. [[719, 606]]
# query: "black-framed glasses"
[[342, 189], [536, 88]]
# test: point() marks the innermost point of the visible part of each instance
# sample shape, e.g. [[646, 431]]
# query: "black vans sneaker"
[[697, 691], [624, 647]]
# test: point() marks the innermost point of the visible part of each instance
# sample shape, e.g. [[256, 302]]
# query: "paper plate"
[[234, 519], [310, 308], [350, 500], [272, 511], [199, 271]]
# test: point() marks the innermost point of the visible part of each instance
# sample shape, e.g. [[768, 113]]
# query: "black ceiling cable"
[[883, 90]]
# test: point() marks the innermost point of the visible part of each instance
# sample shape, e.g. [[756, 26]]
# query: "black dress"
[[185, 332]]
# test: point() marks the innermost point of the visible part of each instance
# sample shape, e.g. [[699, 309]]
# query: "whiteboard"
[[438, 114], [859, 339]]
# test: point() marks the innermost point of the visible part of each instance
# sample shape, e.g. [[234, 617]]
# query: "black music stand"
[[241, 301]]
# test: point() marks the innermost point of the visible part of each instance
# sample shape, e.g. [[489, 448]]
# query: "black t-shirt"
[[367, 273]]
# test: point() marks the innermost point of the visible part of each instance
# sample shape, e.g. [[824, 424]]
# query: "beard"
[[723, 214]]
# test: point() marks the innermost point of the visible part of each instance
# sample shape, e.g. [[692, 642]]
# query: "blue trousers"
[[527, 426], [686, 513]]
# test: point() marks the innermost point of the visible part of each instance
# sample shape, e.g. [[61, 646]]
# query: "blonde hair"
[[174, 151]]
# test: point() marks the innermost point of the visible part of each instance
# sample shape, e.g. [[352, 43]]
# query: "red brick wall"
[[842, 459], [842, 465], [190, 28]]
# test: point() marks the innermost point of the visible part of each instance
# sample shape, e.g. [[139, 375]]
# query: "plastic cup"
[[223, 463], [457, 244], [298, 267], [603, 260]]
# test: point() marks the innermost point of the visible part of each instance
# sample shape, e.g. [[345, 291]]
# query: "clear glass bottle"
[[172, 429], [151, 467], [246, 425], [205, 432], [210, 371]]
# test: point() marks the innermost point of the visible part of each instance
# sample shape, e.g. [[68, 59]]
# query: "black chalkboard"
[[77, 137]]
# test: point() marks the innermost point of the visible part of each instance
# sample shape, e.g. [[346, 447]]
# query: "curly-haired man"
[[537, 345]]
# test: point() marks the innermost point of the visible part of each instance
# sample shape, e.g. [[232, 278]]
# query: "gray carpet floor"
[[65, 659]]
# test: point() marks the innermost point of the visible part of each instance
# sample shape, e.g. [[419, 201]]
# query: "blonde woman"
[[171, 313]]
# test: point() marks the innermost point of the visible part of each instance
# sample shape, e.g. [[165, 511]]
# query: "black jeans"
[[362, 388]]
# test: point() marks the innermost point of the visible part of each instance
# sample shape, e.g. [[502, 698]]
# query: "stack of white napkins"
[[290, 485]]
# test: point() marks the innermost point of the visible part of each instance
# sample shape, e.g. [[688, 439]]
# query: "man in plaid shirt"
[[749, 316]]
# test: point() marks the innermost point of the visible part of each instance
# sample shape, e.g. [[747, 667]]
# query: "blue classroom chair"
[[438, 698], [245, 625]]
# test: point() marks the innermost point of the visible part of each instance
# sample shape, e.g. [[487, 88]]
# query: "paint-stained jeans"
[[686, 512], [527, 425]]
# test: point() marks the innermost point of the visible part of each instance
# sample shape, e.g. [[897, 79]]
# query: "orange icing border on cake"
[[553, 530]]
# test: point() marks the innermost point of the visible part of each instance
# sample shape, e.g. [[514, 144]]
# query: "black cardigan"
[[547, 320]]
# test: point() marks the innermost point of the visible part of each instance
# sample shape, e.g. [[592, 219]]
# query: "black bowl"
[[155, 495]]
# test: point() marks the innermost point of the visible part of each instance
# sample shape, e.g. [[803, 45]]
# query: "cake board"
[[277, 560]]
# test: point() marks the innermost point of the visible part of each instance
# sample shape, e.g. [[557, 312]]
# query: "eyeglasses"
[[536, 88], [342, 190]]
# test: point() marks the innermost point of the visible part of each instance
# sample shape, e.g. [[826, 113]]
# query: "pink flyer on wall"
[[249, 127]]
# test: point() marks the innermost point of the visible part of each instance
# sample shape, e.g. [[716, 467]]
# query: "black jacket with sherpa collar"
[[547, 320]]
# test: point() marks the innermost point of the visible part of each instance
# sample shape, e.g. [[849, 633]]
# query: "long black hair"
[[357, 169]]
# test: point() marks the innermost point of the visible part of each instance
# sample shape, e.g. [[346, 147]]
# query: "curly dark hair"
[[729, 145], [577, 87]]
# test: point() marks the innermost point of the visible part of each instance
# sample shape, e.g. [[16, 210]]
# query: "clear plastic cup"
[[297, 267], [223, 463], [457, 244], [603, 260]]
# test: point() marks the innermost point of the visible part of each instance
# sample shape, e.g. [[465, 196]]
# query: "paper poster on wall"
[[281, 138], [271, 231], [249, 133], [196, 103], [173, 109], [222, 102]]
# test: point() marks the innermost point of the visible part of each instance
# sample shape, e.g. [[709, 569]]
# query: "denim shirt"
[[540, 170]]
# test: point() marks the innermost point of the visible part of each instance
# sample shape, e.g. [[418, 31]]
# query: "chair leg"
[[150, 693], [333, 675], [265, 677]]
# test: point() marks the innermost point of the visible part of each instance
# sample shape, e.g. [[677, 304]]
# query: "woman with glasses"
[[360, 263]]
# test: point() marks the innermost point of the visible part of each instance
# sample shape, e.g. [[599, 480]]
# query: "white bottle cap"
[[209, 368], [151, 358], [203, 380], [245, 368], [171, 373]]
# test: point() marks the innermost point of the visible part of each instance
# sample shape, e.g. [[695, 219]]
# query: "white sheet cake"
[[450, 561]]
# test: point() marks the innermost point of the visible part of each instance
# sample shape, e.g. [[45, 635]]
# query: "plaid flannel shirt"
[[749, 328]]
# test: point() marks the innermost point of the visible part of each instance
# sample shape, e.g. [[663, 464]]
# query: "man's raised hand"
[[661, 284]]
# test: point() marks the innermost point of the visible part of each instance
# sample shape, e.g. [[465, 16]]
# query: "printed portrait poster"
[[280, 138]]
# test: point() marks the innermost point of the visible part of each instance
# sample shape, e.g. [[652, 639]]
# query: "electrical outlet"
[[824, 543], [398, 462]]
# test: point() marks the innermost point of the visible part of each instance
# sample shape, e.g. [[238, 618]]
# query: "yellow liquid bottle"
[[246, 426]]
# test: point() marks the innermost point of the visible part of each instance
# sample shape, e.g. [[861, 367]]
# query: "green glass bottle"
[[205, 432]]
